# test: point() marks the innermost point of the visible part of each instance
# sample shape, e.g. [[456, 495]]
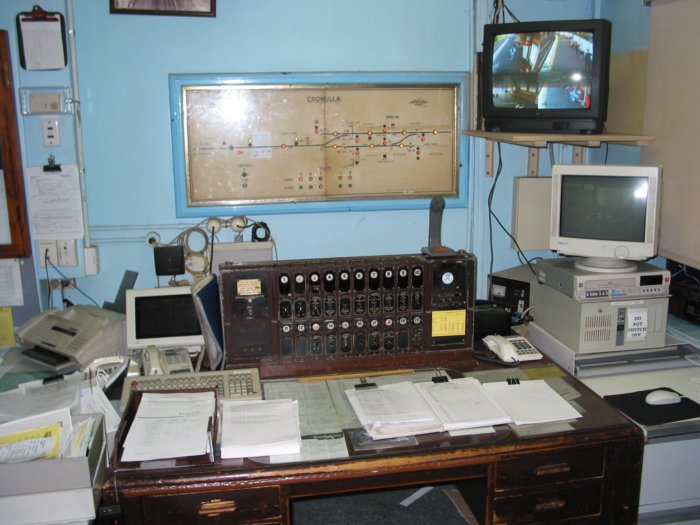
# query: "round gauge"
[[447, 278]]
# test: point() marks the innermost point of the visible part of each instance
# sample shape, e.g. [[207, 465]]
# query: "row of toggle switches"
[[373, 304], [346, 280]]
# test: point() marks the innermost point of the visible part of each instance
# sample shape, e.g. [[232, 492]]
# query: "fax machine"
[[68, 340]]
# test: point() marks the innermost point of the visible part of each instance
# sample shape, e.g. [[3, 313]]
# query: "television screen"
[[549, 76], [547, 70]]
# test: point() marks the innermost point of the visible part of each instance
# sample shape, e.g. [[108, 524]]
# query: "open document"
[[407, 409], [172, 425], [252, 429], [393, 410], [463, 403]]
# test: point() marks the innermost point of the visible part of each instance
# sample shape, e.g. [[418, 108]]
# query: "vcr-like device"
[[355, 313], [563, 275]]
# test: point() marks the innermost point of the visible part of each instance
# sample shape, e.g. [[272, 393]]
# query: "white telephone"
[[163, 361], [511, 348], [73, 337]]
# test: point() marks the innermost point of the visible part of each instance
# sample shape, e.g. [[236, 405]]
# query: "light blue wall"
[[123, 66]]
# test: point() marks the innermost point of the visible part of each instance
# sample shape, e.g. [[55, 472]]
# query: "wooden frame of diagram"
[[238, 142], [153, 7], [14, 223]]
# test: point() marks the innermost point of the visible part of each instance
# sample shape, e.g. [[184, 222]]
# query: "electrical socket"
[[48, 249], [67, 252], [49, 132], [61, 284]]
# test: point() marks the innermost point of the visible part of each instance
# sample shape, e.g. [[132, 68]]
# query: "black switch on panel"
[[403, 277], [285, 285], [329, 282], [374, 279], [388, 278], [359, 280], [299, 283], [344, 278]]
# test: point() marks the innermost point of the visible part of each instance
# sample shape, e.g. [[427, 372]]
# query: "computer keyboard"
[[242, 383]]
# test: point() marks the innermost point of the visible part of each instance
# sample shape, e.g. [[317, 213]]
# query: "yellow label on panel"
[[248, 287], [449, 322]]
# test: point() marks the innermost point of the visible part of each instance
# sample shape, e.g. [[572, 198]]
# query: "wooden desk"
[[585, 471]]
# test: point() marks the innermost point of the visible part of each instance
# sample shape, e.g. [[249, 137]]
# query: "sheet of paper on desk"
[[316, 448], [252, 429], [393, 411], [463, 403], [172, 425], [531, 402]]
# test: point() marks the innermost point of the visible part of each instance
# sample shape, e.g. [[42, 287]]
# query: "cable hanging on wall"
[[499, 10], [192, 250]]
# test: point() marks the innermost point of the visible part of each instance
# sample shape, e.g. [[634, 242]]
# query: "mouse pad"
[[634, 406]]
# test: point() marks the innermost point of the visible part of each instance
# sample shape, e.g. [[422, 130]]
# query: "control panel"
[[323, 315]]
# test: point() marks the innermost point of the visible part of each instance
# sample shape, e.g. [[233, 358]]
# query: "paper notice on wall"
[[55, 204], [10, 283], [637, 324]]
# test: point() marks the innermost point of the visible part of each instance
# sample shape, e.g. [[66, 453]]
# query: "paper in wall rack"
[[42, 40]]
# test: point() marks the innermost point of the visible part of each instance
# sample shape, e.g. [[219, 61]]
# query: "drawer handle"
[[548, 506], [216, 507], [548, 470]]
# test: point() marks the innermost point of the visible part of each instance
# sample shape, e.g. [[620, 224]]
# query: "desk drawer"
[[551, 506], [554, 467], [214, 508]]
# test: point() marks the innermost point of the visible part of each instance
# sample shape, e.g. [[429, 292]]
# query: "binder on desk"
[[42, 40], [207, 305]]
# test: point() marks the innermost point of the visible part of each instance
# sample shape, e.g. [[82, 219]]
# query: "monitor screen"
[[543, 70], [609, 214], [547, 76], [164, 317], [603, 207]]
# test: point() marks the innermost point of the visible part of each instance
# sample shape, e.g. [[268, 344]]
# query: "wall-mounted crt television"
[[607, 215], [546, 77]]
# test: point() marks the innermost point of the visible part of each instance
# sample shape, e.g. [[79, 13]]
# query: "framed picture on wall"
[[162, 7]]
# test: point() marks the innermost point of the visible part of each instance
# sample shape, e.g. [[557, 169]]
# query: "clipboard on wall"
[[42, 40]]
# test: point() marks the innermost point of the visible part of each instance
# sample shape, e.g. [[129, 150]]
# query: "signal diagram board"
[[274, 143]]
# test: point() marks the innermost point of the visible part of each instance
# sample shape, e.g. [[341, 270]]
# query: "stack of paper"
[[393, 410], [406, 409], [259, 428], [463, 403], [531, 402], [172, 425], [41, 436]]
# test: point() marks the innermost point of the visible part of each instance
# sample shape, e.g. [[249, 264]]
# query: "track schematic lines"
[[313, 144]]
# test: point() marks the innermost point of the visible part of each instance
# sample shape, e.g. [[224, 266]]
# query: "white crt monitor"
[[163, 317], [606, 214]]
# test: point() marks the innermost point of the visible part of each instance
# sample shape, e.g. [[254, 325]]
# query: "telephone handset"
[[163, 361], [512, 348]]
